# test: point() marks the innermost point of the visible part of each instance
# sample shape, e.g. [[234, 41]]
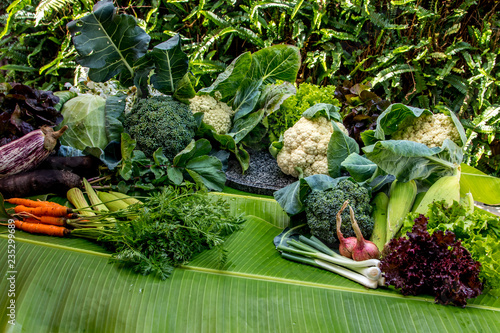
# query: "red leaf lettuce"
[[437, 265]]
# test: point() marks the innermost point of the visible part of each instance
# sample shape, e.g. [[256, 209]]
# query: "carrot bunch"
[[41, 217]]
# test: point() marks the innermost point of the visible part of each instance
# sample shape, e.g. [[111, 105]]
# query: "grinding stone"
[[262, 177]]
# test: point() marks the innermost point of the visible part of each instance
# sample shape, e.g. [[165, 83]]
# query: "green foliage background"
[[425, 53]]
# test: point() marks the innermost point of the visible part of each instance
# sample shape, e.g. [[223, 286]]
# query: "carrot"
[[61, 221], [38, 228], [49, 210], [32, 203]]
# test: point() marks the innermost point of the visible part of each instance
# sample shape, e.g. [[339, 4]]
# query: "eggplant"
[[28, 151]]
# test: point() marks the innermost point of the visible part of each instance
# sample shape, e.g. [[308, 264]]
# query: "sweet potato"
[[84, 166], [37, 182]]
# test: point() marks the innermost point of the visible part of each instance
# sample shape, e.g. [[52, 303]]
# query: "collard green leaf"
[[127, 148], [192, 150], [115, 106], [246, 98], [228, 81], [243, 157], [459, 126], [143, 67], [175, 175], [110, 155], [339, 147], [278, 62], [274, 95], [331, 112], [359, 167], [171, 64], [243, 126], [407, 160], [291, 196], [184, 90], [109, 44], [276, 147], [208, 171]]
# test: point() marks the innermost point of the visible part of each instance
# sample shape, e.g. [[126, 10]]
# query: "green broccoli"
[[160, 121], [322, 206]]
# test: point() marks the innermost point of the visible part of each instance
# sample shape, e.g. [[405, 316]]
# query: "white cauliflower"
[[305, 145], [430, 130], [216, 113]]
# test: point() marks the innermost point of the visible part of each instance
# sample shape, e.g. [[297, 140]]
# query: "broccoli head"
[[160, 121], [322, 206]]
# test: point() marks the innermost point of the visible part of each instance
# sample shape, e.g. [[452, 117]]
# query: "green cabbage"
[[86, 119]]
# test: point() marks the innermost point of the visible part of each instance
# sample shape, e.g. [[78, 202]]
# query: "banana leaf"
[[68, 285]]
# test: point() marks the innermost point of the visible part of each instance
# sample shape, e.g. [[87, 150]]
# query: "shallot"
[[364, 249], [346, 244]]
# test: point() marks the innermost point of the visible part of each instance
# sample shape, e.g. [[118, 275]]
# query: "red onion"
[[346, 244], [364, 249]]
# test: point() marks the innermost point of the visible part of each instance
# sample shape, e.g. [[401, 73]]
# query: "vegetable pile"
[[380, 184]]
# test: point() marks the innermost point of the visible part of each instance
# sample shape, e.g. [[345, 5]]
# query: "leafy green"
[[339, 148], [291, 197], [279, 62], [249, 85], [359, 167], [479, 233], [395, 115], [191, 164], [109, 44], [329, 111], [171, 64], [407, 160], [228, 82], [112, 44], [85, 116]]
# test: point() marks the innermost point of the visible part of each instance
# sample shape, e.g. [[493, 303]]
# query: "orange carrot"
[[49, 210], [38, 228], [61, 221], [31, 203]]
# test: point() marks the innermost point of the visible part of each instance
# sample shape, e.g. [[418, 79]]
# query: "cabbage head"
[[86, 119]]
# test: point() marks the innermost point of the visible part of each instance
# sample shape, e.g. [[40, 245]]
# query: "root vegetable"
[[364, 249], [38, 182], [346, 244], [84, 166]]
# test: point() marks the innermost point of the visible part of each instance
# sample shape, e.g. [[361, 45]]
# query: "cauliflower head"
[[305, 145], [430, 130], [215, 113]]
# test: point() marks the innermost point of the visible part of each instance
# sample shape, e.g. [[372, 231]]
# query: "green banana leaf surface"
[[69, 285]]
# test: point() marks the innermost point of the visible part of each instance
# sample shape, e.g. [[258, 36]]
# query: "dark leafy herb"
[[360, 108], [437, 265], [24, 109], [171, 228]]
